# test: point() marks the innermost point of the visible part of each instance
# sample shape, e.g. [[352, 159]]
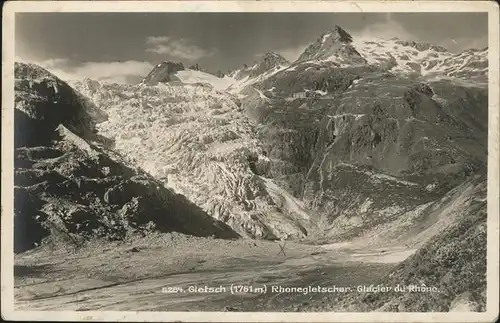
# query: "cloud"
[[55, 62], [387, 29], [49, 63], [155, 40], [113, 71], [178, 48], [116, 72], [292, 53], [390, 28], [461, 44], [57, 66]]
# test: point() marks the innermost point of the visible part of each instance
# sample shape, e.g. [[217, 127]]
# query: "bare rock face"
[[162, 73], [43, 101], [70, 187]]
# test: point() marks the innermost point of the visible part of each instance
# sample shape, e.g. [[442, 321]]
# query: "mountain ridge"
[[337, 47]]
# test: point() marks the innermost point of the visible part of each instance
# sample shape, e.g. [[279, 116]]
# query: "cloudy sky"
[[124, 47]]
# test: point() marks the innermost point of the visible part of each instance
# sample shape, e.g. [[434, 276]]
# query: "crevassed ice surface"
[[198, 142]]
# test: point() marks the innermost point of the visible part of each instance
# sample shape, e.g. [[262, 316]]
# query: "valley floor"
[[144, 274]]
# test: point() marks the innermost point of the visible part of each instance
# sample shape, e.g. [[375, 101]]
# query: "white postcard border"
[[7, 264]]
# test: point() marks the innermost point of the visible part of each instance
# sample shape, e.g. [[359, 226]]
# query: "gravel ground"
[[160, 272]]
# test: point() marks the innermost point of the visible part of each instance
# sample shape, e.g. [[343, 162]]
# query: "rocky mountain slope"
[[404, 143], [70, 188], [387, 141], [368, 143], [447, 272]]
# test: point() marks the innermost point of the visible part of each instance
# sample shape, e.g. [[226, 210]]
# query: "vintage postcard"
[[250, 161]]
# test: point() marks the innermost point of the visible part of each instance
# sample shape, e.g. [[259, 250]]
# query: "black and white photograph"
[[250, 161]]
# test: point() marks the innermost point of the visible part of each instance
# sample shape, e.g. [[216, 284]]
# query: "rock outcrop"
[[42, 102], [162, 73], [266, 63]]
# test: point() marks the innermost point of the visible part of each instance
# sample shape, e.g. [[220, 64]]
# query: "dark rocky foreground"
[[70, 188]]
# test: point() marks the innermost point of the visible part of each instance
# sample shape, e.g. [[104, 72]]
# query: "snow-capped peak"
[[423, 59], [266, 63], [339, 34], [333, 45]]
